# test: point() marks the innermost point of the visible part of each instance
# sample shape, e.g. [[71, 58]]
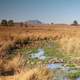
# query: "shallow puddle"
[[60, 69], [55, 66], [39, 54]]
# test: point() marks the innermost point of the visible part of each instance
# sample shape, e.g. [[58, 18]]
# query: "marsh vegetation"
[[52, 49]]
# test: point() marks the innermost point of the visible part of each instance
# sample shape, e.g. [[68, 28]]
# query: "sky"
[[56, 11]]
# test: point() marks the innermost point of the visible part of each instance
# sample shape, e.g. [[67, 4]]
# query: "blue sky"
[[57, 11]]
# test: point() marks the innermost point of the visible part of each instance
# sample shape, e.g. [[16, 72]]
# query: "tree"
[[52, 23], [4, 22], [10, 23], [75, 23]]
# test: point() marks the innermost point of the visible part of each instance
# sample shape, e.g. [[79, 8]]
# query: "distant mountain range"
[[34, 22]]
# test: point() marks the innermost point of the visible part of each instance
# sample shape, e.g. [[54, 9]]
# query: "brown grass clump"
[[6, 47], [36, 74], [70, 45], [32, 74], [12, 66]]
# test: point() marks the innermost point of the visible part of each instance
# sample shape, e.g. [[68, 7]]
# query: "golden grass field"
[[67, 36]]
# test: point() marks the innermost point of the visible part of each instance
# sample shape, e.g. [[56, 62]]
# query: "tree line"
[[7, 23], [4, 22]]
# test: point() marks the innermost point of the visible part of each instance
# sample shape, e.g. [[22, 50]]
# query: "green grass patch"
[[71, 65], [74, 75], [53, 52]]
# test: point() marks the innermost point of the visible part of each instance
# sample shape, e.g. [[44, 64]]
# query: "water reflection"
[[39, 54], [78, 78], [55, 66], [59, 68]]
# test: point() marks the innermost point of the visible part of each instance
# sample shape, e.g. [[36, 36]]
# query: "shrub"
[[4, 22], [10, 23], [75, 23]]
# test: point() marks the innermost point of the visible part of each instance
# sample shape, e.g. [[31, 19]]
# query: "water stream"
[[39, 54], [60, 69]]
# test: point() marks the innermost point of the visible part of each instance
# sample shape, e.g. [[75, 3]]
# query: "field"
[[60, 42]]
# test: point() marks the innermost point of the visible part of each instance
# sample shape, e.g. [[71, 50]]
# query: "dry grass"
[[14, 64], [67, 36], [15, 37], [33, 74], [71, 44], [36, 74]]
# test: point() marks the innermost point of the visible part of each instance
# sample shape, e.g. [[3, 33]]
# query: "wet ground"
[[59, 68]]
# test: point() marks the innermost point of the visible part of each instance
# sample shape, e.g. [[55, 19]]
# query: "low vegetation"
[[60, 43], [74, 75]]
